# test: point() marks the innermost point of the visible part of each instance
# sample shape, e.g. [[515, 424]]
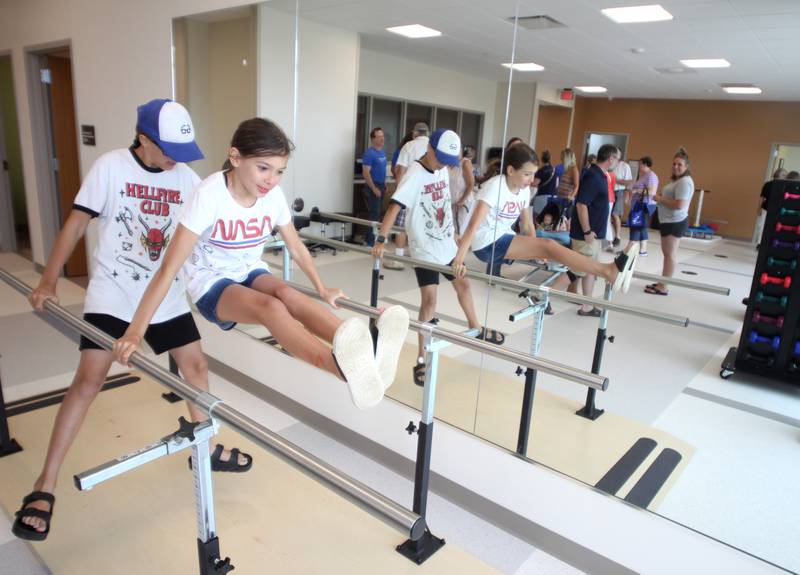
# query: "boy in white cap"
[[136, 194], [424, 192]]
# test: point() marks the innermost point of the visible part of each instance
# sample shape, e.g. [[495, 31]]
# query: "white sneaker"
[[352, 350], [393, 265], [392, 327]]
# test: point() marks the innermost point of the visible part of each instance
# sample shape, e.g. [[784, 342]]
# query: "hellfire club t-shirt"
[[232, 236], [137, 208], [429, 217]]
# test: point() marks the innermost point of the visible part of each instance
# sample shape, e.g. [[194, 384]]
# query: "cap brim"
[[447, 159], [187, 152]]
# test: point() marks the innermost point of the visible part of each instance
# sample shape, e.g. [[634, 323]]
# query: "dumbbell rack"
[[770, 341]]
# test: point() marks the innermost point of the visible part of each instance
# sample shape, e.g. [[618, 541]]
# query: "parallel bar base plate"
[[418, 551], [592, 413], [10, 448], [172, 397]]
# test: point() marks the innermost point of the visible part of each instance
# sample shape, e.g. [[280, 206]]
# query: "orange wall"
[[728, 143], [552, 129]]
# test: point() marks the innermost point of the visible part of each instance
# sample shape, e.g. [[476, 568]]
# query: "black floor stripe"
[[60, 391], [627, 465], [654, 478], [29, 406]]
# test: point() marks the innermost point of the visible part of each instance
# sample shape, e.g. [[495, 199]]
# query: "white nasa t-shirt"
[[505, 207], [232, 236], [137, 208], [429, 214]]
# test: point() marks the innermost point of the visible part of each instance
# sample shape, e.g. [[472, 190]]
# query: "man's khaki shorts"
[[590, 250]]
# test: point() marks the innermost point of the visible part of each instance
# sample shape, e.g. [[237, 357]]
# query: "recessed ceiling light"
[[741, 88], [525, 66], [414, 31], [592, 89], [706, 63], [636, 50], [631, 14]]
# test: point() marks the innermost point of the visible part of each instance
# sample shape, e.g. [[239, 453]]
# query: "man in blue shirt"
[[590, 219], [373, 166]]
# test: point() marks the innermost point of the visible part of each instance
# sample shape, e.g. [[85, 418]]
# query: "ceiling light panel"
[[414, 31], [706, 63], [741, 88], [525, 66], [592, 89], [635, 14]]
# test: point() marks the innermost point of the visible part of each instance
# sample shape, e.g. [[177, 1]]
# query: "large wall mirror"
[[330, 74]]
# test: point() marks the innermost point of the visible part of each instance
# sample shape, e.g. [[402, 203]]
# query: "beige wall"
[[729, 144], [121, 58], [552, 129]]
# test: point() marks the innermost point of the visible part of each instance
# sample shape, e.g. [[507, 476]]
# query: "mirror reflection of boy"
[[424, 192]]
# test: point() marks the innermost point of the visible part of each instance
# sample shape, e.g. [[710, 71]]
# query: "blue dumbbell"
[[797, 348], [782, 300], [788, 212], [779, 263], [755, 337]]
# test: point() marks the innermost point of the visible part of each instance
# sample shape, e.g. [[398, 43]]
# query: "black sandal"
[[419, 374], [25, 531], [232, 464], [492, 336]]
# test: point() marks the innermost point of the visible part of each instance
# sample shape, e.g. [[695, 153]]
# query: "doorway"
[[55, 137], [786, 156], [14, 234], [594, 140]]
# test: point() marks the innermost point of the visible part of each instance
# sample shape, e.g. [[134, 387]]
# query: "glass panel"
[[362, 133], [471, 135], [418, 113], [387, 115], [447, 119]]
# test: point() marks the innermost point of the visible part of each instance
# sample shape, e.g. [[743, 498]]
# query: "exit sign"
[[566, 94]]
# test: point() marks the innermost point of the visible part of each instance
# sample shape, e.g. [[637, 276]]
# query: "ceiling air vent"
[[676, 70], [540, 22]]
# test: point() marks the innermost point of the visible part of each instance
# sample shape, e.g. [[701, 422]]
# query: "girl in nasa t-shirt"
[[504, 199], [219, 243]]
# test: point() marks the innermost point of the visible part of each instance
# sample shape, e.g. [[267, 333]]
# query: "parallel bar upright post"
[[171, 396], [373, 298], [8, 445], [526, 412], [418, 551], [589, 411]]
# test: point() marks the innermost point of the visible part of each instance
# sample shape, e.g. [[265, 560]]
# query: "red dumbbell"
[[768, 279], [788, 196], [776, 321], [779, 227]]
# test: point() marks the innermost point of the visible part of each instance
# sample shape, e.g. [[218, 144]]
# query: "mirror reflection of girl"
[[219, 243], [504, 199]]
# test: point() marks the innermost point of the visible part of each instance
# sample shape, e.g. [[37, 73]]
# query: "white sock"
[[400, 251]]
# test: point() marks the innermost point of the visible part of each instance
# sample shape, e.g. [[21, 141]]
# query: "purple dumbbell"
[[755, 337], [776, 321], [776, 243]]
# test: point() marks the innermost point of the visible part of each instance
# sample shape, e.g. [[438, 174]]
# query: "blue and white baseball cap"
[[447, 146], [169, 125]]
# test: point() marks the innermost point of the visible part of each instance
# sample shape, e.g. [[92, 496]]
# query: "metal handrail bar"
[[721, 290], [515, 284], [544, 365], [367, 498]]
